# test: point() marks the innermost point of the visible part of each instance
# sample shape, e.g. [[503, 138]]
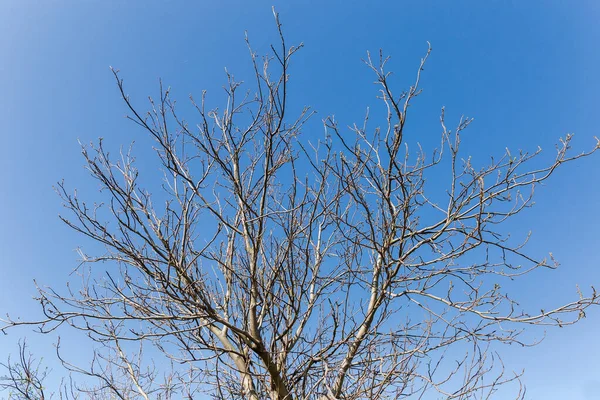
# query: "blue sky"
[[527, 71]]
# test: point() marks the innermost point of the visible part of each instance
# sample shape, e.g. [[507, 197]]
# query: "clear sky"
[[527, 71]]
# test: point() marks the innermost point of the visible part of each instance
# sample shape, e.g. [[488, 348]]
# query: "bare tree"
[[276, 268], [24, 378], [114, 372]]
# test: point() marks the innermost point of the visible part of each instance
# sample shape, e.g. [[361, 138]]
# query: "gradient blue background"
[[527, 71]]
